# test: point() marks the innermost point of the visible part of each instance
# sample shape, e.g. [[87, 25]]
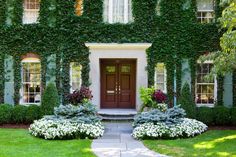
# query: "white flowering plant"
[[69, 122], [170, 124], [186, 128], [65, 129]]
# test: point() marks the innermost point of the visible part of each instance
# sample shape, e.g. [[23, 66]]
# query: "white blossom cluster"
[[65, 129], [186, 128], [162, 107]]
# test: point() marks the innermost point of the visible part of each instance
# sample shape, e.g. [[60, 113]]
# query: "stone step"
[[117, 114]]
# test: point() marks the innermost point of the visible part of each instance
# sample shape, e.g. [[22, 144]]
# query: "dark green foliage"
[[5, 113], [222, 115], [187, 102], [233, 116], [175, 35], [33, 113], [171, 116], [206, 115], [50, 99], [19, 114]]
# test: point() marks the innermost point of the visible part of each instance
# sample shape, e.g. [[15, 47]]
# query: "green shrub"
[[187, 102], [205, 115], [222, 115], [233, 116], [18, 114], [33, 113], [5, 113], [50, 99]]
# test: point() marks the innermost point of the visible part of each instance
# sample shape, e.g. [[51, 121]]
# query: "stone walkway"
[[118, 142]]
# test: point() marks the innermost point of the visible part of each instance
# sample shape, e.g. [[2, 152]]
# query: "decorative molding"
[[116, 46]]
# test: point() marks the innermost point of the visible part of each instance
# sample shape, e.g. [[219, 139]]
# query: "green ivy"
[[175, 35], [2, 77]]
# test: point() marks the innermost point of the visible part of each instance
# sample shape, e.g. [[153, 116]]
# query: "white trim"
[[115, 46], [126, 11], [110, 12]]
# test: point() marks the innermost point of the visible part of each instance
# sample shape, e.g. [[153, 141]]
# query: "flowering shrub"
[[159, 96], [185, 128], [154, 99], [170, 116], [80, 96], [69, 122], [65, 129]]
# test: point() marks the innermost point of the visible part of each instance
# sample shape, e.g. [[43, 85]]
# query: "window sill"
[[29, 104], [205, 105]]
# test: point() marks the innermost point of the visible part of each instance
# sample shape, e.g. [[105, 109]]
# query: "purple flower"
[[159, 96]]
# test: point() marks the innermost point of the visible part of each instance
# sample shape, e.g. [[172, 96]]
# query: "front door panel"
[[118, 83]]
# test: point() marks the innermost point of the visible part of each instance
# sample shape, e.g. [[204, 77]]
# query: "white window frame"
[[206, 11], [30, 10], [126, 11], [29, 60], [215, 88], [165, 78], [71, 74]]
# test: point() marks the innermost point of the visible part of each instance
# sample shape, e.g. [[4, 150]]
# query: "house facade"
[[113, 46]]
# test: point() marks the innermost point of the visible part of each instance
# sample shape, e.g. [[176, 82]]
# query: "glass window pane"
[[125, 68], [79, 7], [204, 87], [110, 69], [75, 78], [31, 78]]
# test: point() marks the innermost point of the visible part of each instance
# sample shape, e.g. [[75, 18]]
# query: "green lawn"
[[212, 143], [19, 143]]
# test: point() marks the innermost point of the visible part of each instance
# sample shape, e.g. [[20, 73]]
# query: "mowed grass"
[[214, 143], [19, 143]]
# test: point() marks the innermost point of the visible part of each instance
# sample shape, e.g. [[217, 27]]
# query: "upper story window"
[[31, 11], [160, 77], [158, 8], [31, 81], [206, 90], [75, 76], [118, 11], [205, 11], [79, 7]]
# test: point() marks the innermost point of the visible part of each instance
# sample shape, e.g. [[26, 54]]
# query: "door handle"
[[119, 89]]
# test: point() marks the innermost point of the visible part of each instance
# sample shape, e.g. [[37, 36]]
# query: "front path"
[[118, 142]]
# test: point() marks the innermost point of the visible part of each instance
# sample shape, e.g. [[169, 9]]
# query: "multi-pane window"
[[31, 11], [75, 76], [117, 11], [205, 88], [160, 77], [79, 7], [205, 11], [31, 81]]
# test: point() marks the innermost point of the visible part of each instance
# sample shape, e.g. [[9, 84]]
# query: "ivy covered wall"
[[175, 34]]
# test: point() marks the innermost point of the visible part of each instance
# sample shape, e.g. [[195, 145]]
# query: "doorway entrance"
[[118, 83]]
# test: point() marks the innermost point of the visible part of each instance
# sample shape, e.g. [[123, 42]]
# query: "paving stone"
[[118, 142]]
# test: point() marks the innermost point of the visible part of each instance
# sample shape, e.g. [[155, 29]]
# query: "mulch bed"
[[222, 128], [15, 126]]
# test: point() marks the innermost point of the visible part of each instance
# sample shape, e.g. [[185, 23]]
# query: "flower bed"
[[185, 128], [69, 122], [65, 129], [170, 124]]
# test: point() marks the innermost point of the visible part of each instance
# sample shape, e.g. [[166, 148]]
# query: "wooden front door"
[[118, 83]]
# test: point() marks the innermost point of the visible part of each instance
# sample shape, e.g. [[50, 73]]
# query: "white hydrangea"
[[64, 129], [187, 128]]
